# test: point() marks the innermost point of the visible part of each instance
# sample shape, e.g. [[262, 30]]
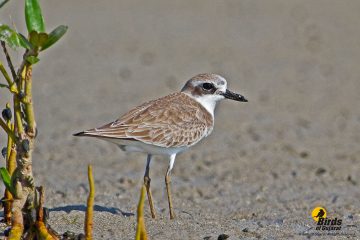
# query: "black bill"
[[234, 96]]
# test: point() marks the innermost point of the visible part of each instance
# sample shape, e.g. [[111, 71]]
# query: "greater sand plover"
[[168, 125]]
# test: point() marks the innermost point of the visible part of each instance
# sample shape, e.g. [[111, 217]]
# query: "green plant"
[[21, 195], [88, 226], [140, 229]]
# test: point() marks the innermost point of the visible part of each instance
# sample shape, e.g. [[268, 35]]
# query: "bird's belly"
[[147, 148], [137, 146]]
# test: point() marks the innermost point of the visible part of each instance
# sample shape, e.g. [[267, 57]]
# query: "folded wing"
[[176, 120]]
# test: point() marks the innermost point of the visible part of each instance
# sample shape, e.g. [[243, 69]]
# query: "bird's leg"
[[167, 183], [147, 181]]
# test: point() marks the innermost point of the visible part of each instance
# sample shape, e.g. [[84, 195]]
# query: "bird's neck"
[[207, 101]]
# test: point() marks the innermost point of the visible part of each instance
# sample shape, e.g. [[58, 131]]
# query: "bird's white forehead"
[[217, 80], [209, 77]]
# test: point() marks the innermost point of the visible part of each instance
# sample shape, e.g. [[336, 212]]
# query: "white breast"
[[208, 102]]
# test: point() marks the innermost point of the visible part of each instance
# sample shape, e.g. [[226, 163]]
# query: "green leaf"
[[33, 16], [54, 36], [3, 2], [9, 36], [24, 42], [3, 85], [43, 37], [13, 39], [5, 176], [38, 39], [34, 38], [32, 59]]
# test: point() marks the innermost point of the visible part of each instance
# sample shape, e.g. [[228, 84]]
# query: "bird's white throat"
[[208, 101]]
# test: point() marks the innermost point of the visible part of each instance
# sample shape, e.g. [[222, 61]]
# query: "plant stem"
[[140, 230], [90, 206], [6, 75], [17, 117], [22, 179], [41, 227], [40, 213], [22, 66], [29, 108], [8, 59], [23, 182], [43, 232], [11, 85], [9, 143], [8, 131], [16, 232], [10, 166]]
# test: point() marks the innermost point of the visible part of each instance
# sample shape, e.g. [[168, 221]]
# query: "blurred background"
[[268, 163]]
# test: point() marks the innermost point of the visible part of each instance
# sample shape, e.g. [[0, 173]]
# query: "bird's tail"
[[80, 134], [91, 133]]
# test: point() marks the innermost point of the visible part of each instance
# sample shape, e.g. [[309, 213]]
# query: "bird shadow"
[[97, 208]]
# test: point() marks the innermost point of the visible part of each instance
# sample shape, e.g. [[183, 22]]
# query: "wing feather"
[[176, 120]]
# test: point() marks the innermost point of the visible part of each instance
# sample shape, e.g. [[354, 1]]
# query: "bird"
[[168, 125], [320, 214]]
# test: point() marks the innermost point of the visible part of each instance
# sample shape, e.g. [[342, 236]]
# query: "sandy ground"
[[268, 163]]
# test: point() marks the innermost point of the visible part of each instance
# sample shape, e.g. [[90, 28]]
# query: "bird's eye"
[[207, 86]]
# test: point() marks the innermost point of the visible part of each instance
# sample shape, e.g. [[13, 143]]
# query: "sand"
[[268, 163]]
